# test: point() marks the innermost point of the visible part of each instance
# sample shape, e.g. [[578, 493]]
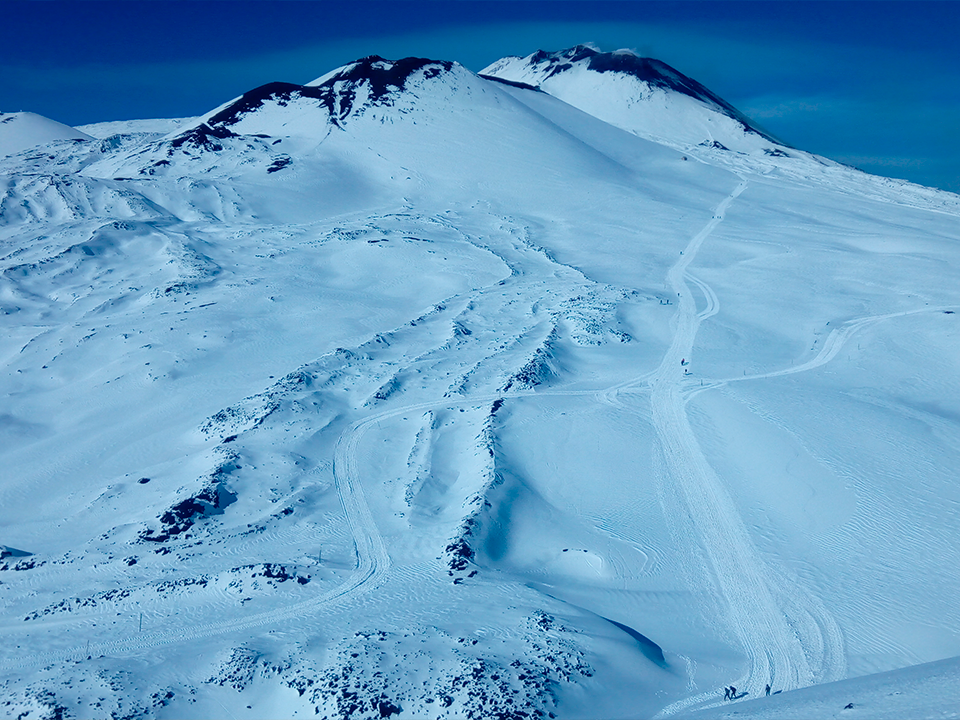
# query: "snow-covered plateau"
[[557, 391]]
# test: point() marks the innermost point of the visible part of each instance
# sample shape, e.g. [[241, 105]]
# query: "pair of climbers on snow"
[[730, 693]]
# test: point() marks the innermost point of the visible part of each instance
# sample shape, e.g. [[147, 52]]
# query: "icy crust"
[[642, 95]]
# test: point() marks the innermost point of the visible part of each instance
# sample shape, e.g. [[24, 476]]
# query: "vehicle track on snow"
[[373, 560], [805, 611], [788, 634], [790, 639], [834, 343], [372, 567]]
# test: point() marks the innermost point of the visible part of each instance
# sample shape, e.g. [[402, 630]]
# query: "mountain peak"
[[348, 90], [643, 84], [383, 76], [656, 72], [23, 130]]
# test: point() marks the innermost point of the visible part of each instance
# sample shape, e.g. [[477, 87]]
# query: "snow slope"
[[921, 692], [161, 126], [640, 95], [24, 130], [411, 393]]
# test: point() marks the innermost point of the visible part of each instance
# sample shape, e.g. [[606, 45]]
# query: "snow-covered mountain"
[[414, 393], [23, 130], [641, 95]]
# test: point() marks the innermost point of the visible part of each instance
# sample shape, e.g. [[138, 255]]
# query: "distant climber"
[[733, 693], [726, 693], [768, 690]]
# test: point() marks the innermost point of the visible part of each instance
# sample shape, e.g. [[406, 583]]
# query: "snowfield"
[[558, 391]]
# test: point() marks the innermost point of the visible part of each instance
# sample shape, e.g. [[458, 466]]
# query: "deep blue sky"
[[875, 84]]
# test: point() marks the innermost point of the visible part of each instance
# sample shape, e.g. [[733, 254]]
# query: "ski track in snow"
[[789, 635], [766, 624], [372, 568]]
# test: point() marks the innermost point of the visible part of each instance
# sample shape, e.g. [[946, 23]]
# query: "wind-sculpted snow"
[[407, 394]]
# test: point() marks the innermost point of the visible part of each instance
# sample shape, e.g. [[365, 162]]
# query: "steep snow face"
[[641, 95], [24, 130]]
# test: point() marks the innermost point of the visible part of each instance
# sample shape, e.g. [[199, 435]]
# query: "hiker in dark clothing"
[[733, 693], [768, 689], [726, 693]]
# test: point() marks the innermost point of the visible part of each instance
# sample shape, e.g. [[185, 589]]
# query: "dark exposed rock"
[[512, 83], [649, 70], [212, 500], [279, 164], [714, 144], [337, 95], [204, 136], [460, 554], [252, 100]]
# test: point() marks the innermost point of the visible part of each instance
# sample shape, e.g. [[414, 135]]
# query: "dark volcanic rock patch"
[[212, 500], [337, 95]]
